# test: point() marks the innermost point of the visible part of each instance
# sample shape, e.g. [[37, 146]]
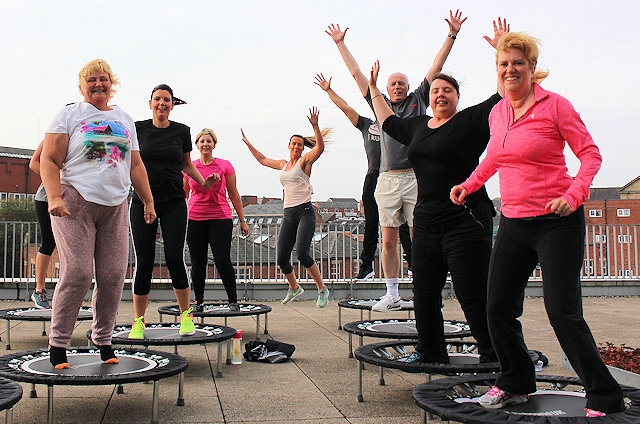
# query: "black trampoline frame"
[[13, 314], [169, 364], [174, 311], [374, 354], [354, 304], [439, 403], [10, 394]]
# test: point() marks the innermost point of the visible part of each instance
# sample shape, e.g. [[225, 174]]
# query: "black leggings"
[[217, 234], [44, 219], [298, 226], [172, 217]]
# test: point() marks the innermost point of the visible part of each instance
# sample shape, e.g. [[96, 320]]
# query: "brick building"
[[16, 179]]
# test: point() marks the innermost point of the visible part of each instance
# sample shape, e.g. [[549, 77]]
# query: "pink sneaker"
[[593, 413], [496, 399]]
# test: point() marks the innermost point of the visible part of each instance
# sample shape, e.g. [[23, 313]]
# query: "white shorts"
[[396, 195]]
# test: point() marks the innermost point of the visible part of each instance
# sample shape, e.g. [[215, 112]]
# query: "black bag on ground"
[[271, 351]]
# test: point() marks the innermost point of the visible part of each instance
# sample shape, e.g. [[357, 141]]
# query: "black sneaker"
[[234, 307], [198, 307], [40, 299], [364, 273]]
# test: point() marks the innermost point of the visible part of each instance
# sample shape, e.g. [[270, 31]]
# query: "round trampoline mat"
[[462, 358], [366, 304], [559, 400], [165, 334], [35, 314], [219, 310], [10, 393], [402, 328], [86, 367]]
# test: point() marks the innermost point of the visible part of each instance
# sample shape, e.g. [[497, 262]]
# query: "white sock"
[[392, 287]]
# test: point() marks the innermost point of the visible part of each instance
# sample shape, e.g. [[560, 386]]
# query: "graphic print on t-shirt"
[[106, 141]]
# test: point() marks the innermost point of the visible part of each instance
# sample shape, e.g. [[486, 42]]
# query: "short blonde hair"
[[207, 131], [95, 66], [528, 45]]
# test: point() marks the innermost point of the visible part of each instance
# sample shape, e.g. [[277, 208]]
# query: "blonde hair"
[[528, 45], [96, 66], [207, 131], [310, 141]]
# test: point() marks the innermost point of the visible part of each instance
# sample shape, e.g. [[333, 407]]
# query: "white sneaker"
[[387, 303]]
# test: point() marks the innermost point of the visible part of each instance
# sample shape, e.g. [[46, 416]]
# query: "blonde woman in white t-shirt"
[[299, 220]]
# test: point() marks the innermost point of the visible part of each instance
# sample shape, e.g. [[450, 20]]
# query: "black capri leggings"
[[44, 219]]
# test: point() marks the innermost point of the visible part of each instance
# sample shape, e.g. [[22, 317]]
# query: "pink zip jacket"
[[529, 156]]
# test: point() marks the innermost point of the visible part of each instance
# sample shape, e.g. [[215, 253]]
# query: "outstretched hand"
[[455, 21], [314, 112], [244, 137], [336, 34], [499, 30], [373, 77], [322, 83], [211, 180]]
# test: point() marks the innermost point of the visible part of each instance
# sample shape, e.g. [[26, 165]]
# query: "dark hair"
[[176, 101], [305, 140], [448, 78]]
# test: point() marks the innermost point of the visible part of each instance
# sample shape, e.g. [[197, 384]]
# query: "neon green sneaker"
[[292, 294], [323, 298], [137, 329], [187, 328]]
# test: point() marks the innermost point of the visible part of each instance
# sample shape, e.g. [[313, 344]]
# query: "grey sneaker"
[[292, 295], [234, 307], [323, 298], [40, 299]]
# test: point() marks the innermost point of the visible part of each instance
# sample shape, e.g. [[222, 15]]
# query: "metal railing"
[[611, 253]]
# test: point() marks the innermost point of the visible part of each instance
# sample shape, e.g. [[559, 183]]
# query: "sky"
[[251, 65]]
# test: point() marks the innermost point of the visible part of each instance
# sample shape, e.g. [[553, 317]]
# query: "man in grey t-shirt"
[[397, 189]]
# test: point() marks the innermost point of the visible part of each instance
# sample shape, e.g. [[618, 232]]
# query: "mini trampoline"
[[214, 310], [35, 314], [462, 359], [87, 369], [559, 400], [366, 304], [167, 334], [399, 329], [10, 394]]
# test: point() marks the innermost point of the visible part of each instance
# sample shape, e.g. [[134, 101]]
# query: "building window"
[[599, 238], [595, 213], [624, 238], [624, 212], [243, 273]]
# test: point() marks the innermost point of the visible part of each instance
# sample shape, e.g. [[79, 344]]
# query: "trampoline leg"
[[9, 416], [381, 380], [266, 323], [160, 315], [350, 345], [339, 317], [362, 315], [219, 362], [8, 347], [44, 329], [228, 352], [33, 393], [180, 389], [154, 402], [175, 349], [359, 382], [50, 405], [369, 314], [120, 389], [257, 326]]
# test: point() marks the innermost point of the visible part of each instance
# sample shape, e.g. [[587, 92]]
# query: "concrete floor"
[[317, 386]]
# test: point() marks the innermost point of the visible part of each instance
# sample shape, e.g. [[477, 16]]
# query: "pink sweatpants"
[[93, 237]]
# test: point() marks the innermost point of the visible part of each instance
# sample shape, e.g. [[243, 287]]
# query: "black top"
[[443, 157], [161, 150]]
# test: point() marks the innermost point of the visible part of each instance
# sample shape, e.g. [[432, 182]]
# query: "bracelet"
[[451, 36], [377, 95], [243, 220]]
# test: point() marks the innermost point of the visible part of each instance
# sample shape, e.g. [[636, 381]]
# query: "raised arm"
[[316, 151], [499, 30], [270, 163], [337, 100], [380, 106], [455, 22], [337, 35]]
